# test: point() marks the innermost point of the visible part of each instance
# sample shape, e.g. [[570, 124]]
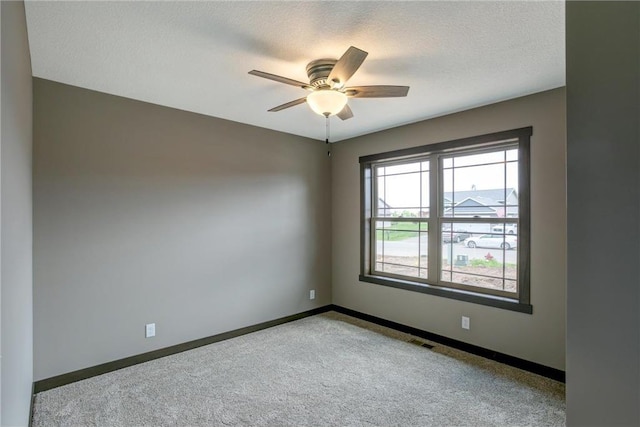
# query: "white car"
[[491, 241], [509, 229]]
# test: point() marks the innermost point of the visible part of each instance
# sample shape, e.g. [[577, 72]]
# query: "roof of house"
[[382, 204], [474, 205], [494, 195]]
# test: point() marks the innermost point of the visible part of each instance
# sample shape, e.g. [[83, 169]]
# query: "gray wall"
[[149, 214], [603, 113], [16, 366], [539, 337]]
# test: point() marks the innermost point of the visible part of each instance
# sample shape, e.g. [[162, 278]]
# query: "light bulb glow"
[[327, 102]]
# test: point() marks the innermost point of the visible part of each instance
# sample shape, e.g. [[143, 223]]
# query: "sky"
[[405, 185]]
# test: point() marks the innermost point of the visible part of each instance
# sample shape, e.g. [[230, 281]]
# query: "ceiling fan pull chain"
[[326, 126], [328, 131]]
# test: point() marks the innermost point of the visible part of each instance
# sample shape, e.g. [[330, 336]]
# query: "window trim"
[[520, 137]]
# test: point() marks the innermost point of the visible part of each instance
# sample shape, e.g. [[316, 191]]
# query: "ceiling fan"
[[327, 79]]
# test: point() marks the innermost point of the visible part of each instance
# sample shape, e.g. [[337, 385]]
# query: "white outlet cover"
[[312, 294], [465, 322], [150, 330]]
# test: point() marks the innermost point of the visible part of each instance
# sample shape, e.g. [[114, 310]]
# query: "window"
[[450, 219]]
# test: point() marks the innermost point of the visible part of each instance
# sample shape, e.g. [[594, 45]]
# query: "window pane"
[[425, 194], [446, 276], [401, 270], [512, 190], [383, 207], [479, 159], [468, 181], [456, 232], [424, 250], [510, 229], [402, 191], [381, 189], [477, 280], [401, 248], [481, 186], [481, 260], [447, 195], [395, 231], [404, 168]]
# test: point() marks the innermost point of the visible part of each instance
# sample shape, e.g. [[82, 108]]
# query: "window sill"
[[457, 294]]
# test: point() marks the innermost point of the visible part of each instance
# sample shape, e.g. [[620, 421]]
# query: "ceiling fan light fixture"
[[327, 102]]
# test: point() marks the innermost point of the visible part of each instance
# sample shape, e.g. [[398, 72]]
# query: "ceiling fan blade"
[[289, 104], [346, 113], [376, 91], [346, 66], [280, 79]]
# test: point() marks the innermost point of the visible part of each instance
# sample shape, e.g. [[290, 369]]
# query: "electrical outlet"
[[465, 322], [312, 294], [150, 330]]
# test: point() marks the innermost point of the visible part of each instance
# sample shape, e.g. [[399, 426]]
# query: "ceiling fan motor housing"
[[318, 71]]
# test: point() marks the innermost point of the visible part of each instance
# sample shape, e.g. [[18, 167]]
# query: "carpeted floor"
[[325, 370]]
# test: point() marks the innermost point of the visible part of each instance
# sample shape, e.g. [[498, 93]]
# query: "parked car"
[[486, 228], [492, 241], [455, 237], [509, 229]]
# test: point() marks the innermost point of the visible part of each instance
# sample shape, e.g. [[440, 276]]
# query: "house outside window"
[[450, 219]]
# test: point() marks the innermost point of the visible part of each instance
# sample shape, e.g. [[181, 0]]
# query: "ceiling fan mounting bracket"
[[318, 71]]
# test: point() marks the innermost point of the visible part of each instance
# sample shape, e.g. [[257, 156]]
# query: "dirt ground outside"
[[490, 277]]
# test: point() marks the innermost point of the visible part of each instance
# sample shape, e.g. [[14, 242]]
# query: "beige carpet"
[[325, 370]]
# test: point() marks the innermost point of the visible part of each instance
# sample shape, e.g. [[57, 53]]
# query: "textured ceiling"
[[195, 56]]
